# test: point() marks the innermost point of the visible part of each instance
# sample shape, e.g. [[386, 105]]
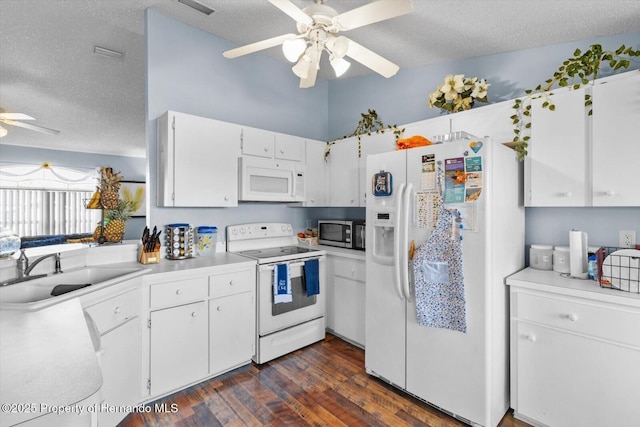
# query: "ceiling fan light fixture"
[[3, 132], [338, 46], [301, 69], [292, 49], [340, 65]]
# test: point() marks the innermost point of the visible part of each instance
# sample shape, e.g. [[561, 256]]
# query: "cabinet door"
[[198, 162], [120, 363], [317, 174], [349, 300], [289, 147], [179, 347], [616, 126], [374, 144], [257, 142], [562, 379], [556, 164], [232, 329], [344, 173]]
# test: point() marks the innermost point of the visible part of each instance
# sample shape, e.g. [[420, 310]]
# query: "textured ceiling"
[[47, 69]]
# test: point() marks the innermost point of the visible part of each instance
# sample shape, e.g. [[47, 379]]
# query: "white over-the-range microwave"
[[270, 180]]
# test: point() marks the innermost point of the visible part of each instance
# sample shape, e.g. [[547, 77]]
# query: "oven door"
[[274, 317]]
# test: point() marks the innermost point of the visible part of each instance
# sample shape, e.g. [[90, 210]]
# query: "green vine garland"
[[368, 124], [581, 69]]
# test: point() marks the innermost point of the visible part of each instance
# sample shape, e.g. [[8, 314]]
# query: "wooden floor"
[[324, 384]]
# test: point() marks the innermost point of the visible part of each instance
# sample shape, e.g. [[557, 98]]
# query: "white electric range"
[[281, 327]]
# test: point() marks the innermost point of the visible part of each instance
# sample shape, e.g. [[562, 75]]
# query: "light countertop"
[[550, 281], [343, 252], [47, 360]]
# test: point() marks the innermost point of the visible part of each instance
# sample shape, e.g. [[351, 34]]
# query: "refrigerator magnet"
[[382, 184]]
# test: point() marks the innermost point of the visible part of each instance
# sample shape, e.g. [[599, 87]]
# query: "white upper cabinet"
[[272, 145], [317, 174], [344, 173], [374, 144], [616, 147], [556, 163], [197, 161], [580, 160], [257, 142]]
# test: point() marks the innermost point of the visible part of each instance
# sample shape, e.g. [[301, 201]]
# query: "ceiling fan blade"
[[373, 12], [15, 116], [310, 80], [257, 46], [293, 11], [371, 60], [30, 126]]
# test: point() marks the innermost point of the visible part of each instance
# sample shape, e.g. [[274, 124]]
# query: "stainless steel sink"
[[19, 295]]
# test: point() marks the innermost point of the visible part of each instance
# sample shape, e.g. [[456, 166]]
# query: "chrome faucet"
[[24, 269]]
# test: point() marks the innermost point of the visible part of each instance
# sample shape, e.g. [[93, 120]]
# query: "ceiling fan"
[[16, 119], [318, 26]]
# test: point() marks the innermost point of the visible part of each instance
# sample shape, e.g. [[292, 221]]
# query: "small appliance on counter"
[[342, 233], [179, 241]]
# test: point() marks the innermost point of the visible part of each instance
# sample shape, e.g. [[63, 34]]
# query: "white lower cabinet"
[[346, 298], [179, 346], [200, 323], [575, 360], [115, 313], [232, 330]]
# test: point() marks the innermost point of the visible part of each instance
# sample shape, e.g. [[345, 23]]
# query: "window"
[[47, 200]]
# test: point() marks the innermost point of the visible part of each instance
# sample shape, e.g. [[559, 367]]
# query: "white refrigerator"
[[463, 374]]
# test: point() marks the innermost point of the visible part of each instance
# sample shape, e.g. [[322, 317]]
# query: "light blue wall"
[[186, 72], [404, 99]]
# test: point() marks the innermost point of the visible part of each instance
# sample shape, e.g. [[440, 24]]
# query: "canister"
[[540, 257], [561, 259], [179, 241], [207, 238]]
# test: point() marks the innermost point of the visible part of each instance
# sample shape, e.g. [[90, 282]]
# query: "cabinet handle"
[[566, 194], [194, 314], [531, 338], [179, 292], [266, 149], [226, 199], [231, 283], [116, 310], [313, 200], [609, 193], [219, 308], [572, 317], [281, 151]]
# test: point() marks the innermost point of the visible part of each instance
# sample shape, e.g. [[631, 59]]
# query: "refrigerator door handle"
[[398, 247], [406, 211]]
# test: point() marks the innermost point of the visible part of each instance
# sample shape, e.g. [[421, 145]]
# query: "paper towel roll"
[[578, 260]]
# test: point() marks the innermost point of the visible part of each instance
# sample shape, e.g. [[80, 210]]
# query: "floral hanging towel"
[[439, 282]]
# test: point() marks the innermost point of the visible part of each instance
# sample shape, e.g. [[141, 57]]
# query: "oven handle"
[[271, 267]]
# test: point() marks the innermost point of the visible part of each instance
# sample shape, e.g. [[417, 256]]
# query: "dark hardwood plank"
[[324, 384]]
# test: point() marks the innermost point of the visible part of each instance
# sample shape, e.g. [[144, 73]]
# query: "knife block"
[[150, 257]]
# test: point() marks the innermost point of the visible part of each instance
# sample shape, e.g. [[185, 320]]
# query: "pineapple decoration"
[[115, 220], [109, 188]]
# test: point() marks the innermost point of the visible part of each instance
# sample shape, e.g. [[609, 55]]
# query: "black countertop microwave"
[[342, 233]]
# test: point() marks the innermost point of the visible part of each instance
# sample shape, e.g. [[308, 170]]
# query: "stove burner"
[[275, 252]]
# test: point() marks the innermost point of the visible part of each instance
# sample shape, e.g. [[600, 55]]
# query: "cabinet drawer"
[[115, 311], [574, 315], [231, 283], [349, 269], [176, 293]]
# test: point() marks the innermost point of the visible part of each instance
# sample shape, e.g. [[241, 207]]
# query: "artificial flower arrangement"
[[457, 93]]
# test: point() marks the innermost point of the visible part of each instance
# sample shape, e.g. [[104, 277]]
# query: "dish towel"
[[281, 284], [311, 277]]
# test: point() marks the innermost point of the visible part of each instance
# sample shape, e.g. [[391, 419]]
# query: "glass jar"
[[540, 257]]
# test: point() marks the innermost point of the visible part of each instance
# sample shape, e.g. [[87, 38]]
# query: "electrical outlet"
[[627, 238]]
